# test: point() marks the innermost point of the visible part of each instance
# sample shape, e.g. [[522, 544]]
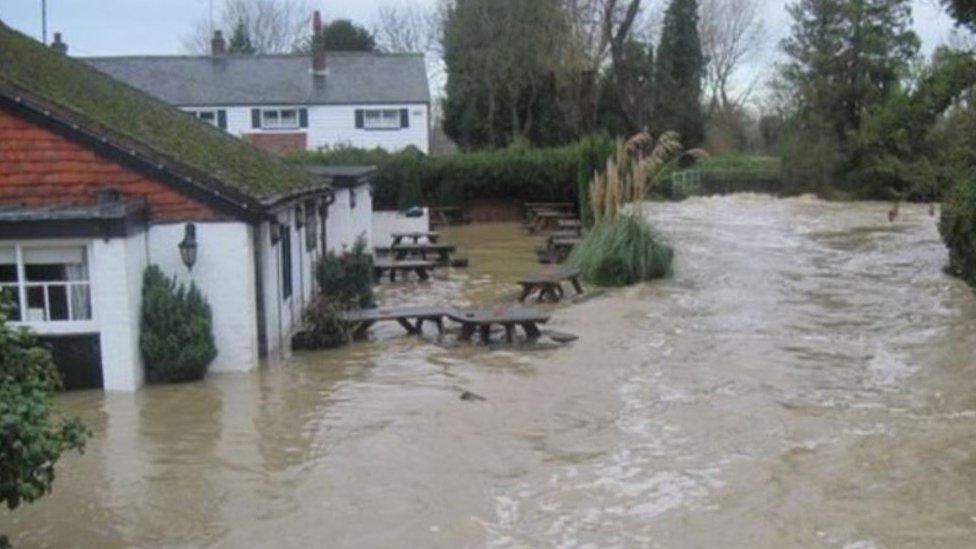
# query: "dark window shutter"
[[303, 118], [404, 118], [359, 119], [255, 118], [222, 119]]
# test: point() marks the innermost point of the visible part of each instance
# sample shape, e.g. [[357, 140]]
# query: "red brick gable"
[[278, 142], [41, 168]]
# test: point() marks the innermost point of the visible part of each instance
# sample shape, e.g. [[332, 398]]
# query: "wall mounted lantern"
[[188, 246]]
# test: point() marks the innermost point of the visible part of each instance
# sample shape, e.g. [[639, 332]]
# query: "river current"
[[806, 378]]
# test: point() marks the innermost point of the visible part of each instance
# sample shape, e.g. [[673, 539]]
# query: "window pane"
[[55, 264], [57, 299], [35, 304], [8, 294], [270, 117], [207, 116], [80, 295], [8, 273], [289, 118]]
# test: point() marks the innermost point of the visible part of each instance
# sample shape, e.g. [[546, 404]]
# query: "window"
[[311, 235], [285, 262], [279, 119], [46, 283], [382, 119], [214, 117]]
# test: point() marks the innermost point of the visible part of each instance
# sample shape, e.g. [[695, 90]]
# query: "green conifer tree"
[[679, 73]]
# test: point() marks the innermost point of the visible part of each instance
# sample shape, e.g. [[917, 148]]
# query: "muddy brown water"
[[807, 378]]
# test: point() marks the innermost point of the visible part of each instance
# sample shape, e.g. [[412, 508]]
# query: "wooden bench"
[[412, 319], [448, 215], [393, 266], [431, 237], [574, 225], [443, 251], [481, 321], [549, 285]]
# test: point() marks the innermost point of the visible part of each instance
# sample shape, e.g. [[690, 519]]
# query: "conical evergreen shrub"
[[176, 330]]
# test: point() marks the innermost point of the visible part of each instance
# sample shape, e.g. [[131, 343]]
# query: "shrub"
[[621, 252], [176, 331], [958, 228], [345, 282], [33, 435]]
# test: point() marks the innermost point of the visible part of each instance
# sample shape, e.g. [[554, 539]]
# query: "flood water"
[[806, 378]]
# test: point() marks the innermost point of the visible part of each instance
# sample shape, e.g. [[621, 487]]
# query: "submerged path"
[[807, 378]]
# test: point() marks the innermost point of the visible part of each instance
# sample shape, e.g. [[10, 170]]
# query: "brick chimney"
[[319, 63], [58, 45], [218, 46]]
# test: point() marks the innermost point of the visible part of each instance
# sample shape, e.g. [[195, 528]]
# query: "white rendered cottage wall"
[[385, 223], [340, 231], [224, 272], [116, 268], [335, 125]]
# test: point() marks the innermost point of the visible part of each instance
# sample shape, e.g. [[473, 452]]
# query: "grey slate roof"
[[232, 80]]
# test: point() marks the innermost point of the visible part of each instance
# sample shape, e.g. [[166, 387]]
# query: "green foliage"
[[514, 174], [720, 174], [176, 329], [622, 252], [33, 435], [345, 282], [679, 73], [593, 154], [504, 68], [958, 229], [133, 114], [344, 35], [240, 41], [964, 11]]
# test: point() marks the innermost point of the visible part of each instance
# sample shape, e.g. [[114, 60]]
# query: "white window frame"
[[278, 122], [383, 119], [51, 327], [200, 113]]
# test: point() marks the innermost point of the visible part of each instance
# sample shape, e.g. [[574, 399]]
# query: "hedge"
[[514, 174], [958, 229]]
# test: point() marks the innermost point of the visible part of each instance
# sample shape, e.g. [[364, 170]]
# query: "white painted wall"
[[116, 269], [385, 223], [335, 125], [224, 272]]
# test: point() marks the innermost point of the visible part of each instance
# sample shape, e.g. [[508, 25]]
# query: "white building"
[[293, 102], [98, 181]]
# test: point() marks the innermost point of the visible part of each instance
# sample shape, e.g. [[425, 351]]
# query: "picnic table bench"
[[570, 224], [432, 237], [449, 215], [443, 251], [411, 318], [557, 250], [481, 321], [532, 207], [393, 266], [547, 219], [549, 285]]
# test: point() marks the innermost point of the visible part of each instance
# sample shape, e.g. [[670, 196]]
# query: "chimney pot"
[[218, 46], [319, 61], [58, 45]]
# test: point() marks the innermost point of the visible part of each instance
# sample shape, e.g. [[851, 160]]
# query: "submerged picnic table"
[[411, 318], [443, 251], [420, 266], [431, 237], [481, 321], [549, 285], [570, 224], [547, 219]]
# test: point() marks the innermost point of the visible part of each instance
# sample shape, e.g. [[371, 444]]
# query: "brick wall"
[[278, 142], [39, 168]]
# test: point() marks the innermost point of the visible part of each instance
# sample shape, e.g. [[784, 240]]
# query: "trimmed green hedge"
[[958, 228], [515, 174]]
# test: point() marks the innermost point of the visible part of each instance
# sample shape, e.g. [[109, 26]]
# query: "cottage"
[[293, 102], [99, 180]]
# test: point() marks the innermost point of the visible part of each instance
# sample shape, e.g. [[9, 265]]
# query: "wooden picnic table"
[[444, 251], [574, 224], [547, 219], [431, 236], [411, 318], [448, 215], [560, 248], [549, 285], [481, 321], [393, 266]]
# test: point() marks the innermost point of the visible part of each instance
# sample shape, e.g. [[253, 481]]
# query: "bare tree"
[[732, 34], [408, 28], [274, 26]]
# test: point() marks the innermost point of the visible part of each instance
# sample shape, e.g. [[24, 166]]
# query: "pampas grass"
[[622, 252]]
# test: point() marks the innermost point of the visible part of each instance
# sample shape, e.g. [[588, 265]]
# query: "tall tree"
[[240, 41], [964, 11], [273, 26], [679, 73], [845, 56], [502, 61], [732, 34], [344, 35], [633, 101]]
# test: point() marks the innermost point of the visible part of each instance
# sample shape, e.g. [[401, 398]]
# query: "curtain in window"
[[80, 294]]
